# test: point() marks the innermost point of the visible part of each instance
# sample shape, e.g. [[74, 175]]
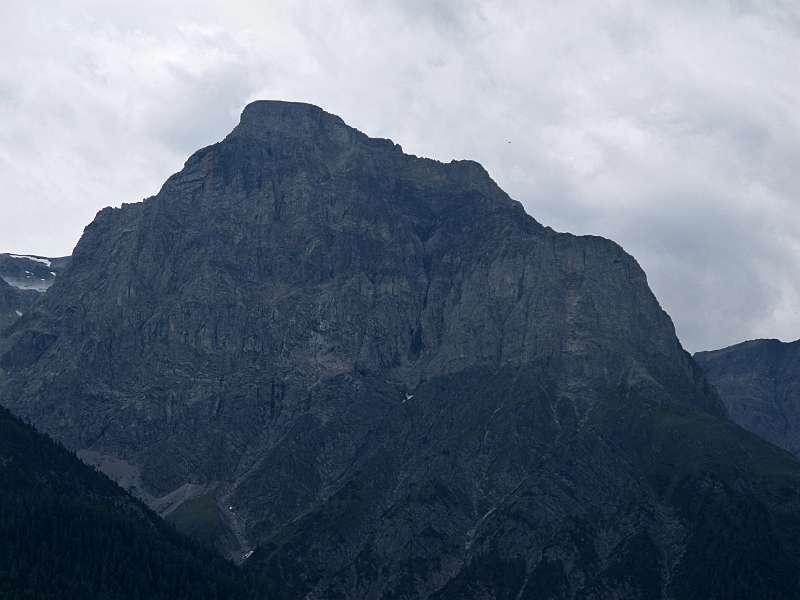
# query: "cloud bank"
[[672, 128]]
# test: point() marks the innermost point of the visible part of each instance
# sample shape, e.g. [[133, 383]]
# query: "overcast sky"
[[670, 127]]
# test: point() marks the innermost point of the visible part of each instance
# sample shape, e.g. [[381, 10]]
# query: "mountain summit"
[[375, 376]]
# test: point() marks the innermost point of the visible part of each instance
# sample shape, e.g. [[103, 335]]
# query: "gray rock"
[[394, 383]]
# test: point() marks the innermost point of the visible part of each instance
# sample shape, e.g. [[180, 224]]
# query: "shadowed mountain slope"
[[759, 382], [13, 302]]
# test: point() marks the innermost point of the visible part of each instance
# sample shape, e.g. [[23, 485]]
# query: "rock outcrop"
[[386, 380]]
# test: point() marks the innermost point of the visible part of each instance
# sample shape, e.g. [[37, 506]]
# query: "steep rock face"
[[759, 381], [392, 382]]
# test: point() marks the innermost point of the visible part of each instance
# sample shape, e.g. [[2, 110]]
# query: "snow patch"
[[28, 282], [44, 261]]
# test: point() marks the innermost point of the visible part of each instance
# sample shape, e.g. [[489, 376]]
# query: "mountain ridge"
[[759, 381]]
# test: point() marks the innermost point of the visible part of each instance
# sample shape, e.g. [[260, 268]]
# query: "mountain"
[[759, 381], [35, 273], [67, 531], [22, 279], [376, 376]]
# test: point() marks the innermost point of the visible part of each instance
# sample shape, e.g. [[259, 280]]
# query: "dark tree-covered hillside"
[[67, 531]]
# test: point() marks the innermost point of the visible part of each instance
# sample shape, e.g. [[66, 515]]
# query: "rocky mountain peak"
[[380, 376], [276, 121]]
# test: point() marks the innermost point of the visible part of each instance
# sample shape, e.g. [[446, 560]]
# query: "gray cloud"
[[670, 127]]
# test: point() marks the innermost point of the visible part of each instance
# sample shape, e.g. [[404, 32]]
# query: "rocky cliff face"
[[759, 382], [379, 375]]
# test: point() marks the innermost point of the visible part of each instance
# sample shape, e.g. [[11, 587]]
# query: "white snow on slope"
[[28, 283], [44, 261]]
